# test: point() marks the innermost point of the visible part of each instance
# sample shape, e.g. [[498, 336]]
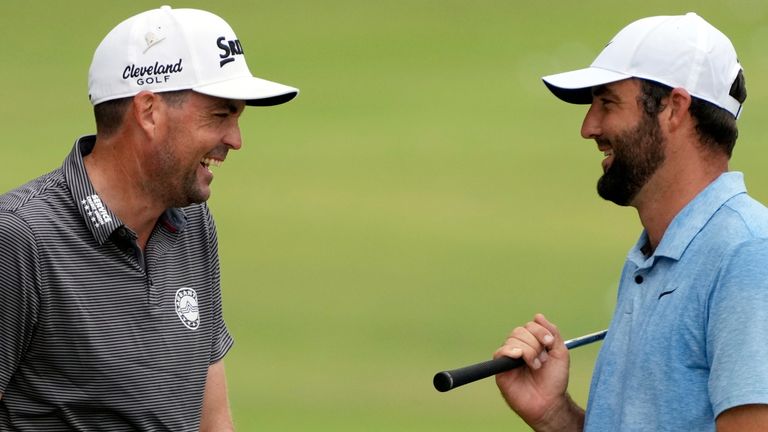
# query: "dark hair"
[[175, 98], [109, 115], [715, 126]]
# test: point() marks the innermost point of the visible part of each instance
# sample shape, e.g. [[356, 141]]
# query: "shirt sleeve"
[[221, 340], [737, 329], [19, 293]]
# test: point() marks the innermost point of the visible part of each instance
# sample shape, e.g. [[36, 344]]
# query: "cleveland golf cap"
[[177, 49], [678, 51]]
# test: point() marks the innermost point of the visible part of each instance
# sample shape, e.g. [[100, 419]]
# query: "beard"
[[637, 154]]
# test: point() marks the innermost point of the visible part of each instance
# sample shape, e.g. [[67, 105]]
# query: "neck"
[[669, 190], [115, 173]]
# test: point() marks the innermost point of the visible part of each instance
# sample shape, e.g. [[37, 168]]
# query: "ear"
[[148, 112], [678, 102]]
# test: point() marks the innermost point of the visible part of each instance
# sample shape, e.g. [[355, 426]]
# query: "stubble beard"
[[174, 185]]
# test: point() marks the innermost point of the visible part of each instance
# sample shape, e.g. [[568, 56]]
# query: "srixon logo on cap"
[[230, 50]]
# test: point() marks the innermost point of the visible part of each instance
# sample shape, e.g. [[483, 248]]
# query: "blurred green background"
[[423, 195]]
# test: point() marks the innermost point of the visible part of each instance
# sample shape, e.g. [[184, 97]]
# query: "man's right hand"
[[537, 393]]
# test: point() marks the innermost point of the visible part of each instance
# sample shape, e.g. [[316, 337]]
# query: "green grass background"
[[424, 194]]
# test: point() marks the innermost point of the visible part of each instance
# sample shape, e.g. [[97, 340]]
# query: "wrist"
[[564, 416]]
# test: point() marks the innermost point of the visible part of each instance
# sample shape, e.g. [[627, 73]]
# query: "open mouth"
[[608, 159], [208, 162]]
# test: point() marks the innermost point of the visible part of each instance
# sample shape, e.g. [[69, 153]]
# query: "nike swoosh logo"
[[666, 292]]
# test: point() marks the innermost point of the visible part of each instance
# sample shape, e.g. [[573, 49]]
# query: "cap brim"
[[254, 91], [576, 86]]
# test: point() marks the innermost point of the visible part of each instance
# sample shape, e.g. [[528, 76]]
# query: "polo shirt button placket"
[[639, 279], [153, 294]]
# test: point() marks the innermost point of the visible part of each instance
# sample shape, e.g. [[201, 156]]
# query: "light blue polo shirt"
[[689, 336]]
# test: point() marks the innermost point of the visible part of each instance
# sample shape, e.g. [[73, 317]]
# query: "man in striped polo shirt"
[[110, 304]]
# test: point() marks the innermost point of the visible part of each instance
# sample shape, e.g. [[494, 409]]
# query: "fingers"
[[557, 339], [531, 342]]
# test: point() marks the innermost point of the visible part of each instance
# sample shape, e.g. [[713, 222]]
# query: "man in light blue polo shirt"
[[686, 348]]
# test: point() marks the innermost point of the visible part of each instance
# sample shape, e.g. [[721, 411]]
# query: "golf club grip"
[[447, 380], [451, 379]]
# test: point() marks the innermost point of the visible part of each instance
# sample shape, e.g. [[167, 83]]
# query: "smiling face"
[[630, 139], [197, 133]]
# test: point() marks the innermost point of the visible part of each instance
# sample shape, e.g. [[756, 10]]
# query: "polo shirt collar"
[[96, 215], [691, 219]]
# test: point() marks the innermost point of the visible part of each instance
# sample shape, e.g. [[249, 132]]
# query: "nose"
[[590, 127], [233, 139]]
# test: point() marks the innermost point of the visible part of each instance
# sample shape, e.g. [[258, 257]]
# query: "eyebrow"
[[233, 109], [602, 90], [227, 104]]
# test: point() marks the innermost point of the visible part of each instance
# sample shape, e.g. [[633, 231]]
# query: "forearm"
[[564, 417], [216, 416]]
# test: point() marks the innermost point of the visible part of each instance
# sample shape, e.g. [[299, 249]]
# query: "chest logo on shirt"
[[186, 308]]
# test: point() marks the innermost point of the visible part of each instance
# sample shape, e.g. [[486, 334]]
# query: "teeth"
[[210, 161]]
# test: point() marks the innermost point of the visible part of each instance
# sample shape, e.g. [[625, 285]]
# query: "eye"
[[607, 103]]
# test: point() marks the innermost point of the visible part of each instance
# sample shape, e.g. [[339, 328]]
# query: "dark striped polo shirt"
[[96, 335]]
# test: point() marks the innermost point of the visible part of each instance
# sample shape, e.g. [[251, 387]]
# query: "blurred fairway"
[[423, 195]]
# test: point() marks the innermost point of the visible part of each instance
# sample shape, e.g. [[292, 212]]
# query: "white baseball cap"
[[678, 51], [177, 49]]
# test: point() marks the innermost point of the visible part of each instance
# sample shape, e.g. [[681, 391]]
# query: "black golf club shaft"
[[448, 380]]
